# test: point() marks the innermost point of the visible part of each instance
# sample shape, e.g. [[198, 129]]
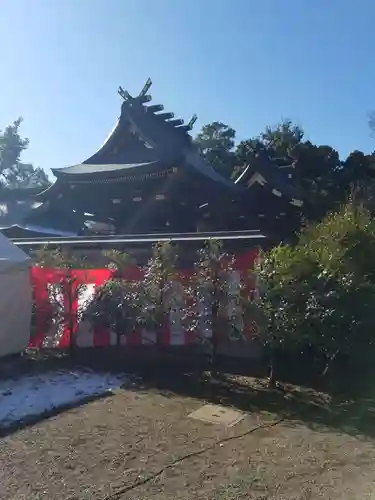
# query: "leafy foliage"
[[62, 297], [124, 306], [116, 305], [118, 260], [216, 142], [14, 173], [319, 172], [279, 141], [214, 291], [159, 296], [321, 293], [59, 258]]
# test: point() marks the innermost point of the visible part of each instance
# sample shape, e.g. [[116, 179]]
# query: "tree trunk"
[[215, 340], [119, 327], [328, 362], [272, 373], [69, 313], [159, 332], [161, 317]]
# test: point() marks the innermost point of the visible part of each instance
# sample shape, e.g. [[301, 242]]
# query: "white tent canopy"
[[15, 298]]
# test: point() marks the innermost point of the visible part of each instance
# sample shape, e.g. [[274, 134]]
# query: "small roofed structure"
[[273, 196], [148, 178]]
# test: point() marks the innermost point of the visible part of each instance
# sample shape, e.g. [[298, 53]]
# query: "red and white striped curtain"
[[49, 283]]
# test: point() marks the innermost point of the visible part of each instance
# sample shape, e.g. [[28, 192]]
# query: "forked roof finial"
[[124, 94], [193, 119], [146, 87]]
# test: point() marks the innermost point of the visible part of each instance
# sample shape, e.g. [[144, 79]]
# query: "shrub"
[[123, 306], [212, 288], [320, 294], [116, 305]]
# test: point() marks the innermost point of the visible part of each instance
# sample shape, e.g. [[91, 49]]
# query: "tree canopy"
[[216, 142], [319, 295], [319, 171], [13, 172]]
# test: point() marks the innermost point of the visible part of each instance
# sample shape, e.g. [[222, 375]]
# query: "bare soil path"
[[102, 450]]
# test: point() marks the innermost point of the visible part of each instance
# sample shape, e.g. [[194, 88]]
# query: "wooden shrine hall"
[[149, 178]]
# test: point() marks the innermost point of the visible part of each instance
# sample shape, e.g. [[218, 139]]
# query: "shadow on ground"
[[35, 419], [38, 363], [352, 413]]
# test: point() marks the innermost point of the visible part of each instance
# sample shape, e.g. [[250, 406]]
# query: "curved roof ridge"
[[92, 168]]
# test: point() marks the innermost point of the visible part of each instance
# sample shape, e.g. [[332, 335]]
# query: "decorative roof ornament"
[[124, 94], [177, 122], [146, 88], [193, 119], [166, 116], [155, 107]]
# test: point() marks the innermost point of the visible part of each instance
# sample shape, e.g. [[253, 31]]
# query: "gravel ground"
[[103, 449]]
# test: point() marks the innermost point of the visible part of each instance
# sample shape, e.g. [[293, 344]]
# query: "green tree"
[[60, 258], [213, 290], [282, 138], [322, 176], [279, 141], [216, 142], [316, 172], [159, 296], [118, 260], [321, 293], [316, 168], [14, 173], [357, 176], [116, 305]]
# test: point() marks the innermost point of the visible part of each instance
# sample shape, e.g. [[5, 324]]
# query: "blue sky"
[[247, 63]]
